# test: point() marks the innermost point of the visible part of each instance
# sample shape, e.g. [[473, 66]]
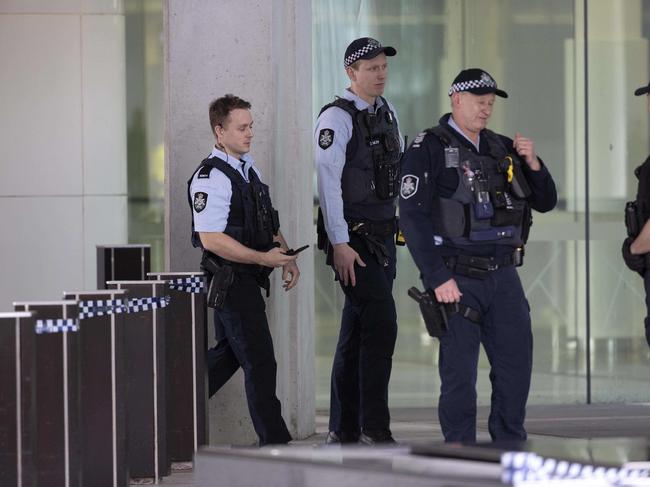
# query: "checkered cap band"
[[101, 307], [484, 82], [56, 326], [371, 46], [194, 284], [520, 467], [137, 305]]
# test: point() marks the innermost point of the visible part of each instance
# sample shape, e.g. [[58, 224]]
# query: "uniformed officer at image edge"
[[358, 148], [636, 246], [235, 224], [465, 204]]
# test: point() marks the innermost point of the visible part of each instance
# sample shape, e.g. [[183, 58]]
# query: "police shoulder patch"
[[200, 201], [418, 139], [409, 186], [325, 138]]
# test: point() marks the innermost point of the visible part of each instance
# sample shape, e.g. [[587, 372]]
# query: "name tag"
[[373, 142], [451, 157]]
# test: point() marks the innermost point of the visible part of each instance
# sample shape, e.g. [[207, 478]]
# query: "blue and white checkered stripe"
[[484, 82], [137, 305], [56, 326], [520, 467], [195, 284], [371, 46], [101, 307]]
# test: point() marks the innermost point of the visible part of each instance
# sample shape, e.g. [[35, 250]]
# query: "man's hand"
[[448, 292], [634, 262], [344, 259], [290, 275], [526, 148], [276, 258]]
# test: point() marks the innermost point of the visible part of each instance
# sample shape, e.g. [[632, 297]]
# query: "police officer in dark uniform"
[[465, 201], [636, 248], [234, 222], [357, 152]]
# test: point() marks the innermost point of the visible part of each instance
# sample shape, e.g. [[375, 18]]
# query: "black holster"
[[373, 234], [433, 312], [220, 279]]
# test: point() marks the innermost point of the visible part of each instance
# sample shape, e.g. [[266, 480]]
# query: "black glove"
[[647, 334], [635, 263]]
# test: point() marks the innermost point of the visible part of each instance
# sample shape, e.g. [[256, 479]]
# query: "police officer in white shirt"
[[234, 222], [357, 151]]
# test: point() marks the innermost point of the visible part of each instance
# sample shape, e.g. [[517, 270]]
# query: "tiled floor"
[[571, 421]]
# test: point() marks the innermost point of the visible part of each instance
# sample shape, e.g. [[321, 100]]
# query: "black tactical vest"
[[370, 180], [252, 220], [483, 209]]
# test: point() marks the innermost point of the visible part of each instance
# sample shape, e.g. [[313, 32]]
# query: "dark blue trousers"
[[363, 358], [244, 340], [505, 333]]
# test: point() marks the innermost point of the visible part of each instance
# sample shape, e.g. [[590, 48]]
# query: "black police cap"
[[476, 81], [365, 48], [643, 90]]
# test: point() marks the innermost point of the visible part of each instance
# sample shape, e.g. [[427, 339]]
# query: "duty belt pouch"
[[221, 278], [386, 177], [323, 242], [632, 219]]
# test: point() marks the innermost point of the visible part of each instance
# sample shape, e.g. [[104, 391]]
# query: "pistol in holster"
[[433, 312], [220, 279]]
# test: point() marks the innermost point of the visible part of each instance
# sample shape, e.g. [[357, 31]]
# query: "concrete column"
[[261, 51], [63, 139]]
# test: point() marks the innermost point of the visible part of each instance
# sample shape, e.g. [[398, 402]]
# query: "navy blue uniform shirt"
[[424, 162]]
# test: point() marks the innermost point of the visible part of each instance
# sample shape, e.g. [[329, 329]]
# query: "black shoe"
[[377, 437], [341, 437]]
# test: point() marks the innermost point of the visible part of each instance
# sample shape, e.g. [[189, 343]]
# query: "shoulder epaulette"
[[343, 104], [442, 133], [204, 171], [231, 173]]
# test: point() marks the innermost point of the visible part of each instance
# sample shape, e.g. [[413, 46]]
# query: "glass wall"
[[575, 100], [145, 118]]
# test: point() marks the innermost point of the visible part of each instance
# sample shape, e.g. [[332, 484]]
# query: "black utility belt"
[[382, 228], [479, 267]]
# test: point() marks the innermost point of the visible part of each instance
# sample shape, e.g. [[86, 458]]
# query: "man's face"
[[237, 132], [369, 80], [472, 112]]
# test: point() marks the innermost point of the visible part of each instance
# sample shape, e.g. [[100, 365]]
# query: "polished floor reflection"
[[584, 433]]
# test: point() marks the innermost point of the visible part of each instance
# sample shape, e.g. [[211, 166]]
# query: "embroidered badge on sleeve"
[[200, 201], [325, 138], [409, 186]]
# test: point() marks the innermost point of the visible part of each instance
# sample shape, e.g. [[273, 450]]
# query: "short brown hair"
[[221, 108]]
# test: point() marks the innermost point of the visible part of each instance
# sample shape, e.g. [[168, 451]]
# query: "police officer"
[[357, 152], [637, 246], [234, 222], [465, 202]]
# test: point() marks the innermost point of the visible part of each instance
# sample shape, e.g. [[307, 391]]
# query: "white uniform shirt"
[[330, 162], [211, 195]]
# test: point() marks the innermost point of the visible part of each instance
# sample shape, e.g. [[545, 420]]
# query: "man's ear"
[[351, 73]]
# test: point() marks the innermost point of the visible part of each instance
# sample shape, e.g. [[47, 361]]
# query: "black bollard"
[[50, 368], [16, 465], [145, 382], [103, 387], [122, 262], [187, 391]]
